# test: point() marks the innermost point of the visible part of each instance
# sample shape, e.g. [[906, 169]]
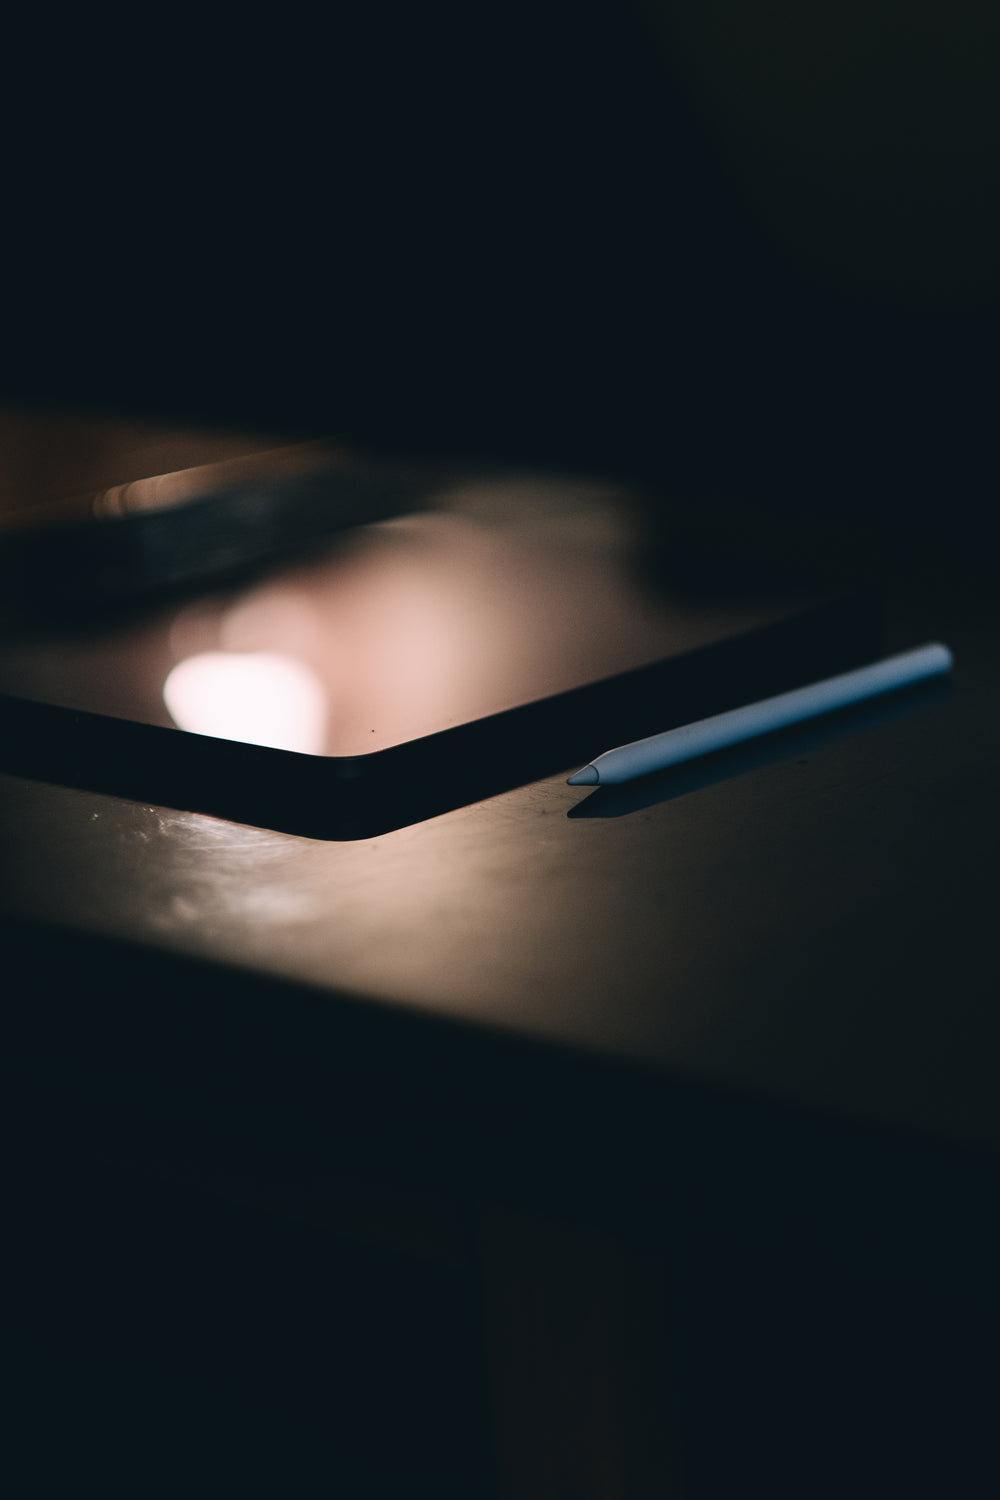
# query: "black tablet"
[[404, 668]]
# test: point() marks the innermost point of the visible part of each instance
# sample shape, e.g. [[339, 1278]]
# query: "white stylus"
[[662, 750]]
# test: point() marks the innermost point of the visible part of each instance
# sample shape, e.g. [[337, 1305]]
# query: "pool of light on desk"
[[260, 697]]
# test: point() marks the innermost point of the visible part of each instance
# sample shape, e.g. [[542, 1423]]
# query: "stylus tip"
[[587, 777]]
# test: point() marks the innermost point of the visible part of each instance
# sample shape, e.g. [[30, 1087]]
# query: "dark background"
[[743, 251]]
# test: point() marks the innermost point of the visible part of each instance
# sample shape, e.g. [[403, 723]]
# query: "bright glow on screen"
[[262, 698]]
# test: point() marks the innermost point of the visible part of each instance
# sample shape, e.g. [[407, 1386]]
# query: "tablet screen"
[[498, 593]]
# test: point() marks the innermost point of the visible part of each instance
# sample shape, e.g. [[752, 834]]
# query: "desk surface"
[[811, 921]]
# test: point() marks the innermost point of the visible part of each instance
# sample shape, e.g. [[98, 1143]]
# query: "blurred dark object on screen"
[[86, 568]]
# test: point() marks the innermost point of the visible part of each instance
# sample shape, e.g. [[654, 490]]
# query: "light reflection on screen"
[[261, 698]]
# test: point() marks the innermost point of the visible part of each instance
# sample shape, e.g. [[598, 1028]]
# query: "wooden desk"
[[693, 1089]]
